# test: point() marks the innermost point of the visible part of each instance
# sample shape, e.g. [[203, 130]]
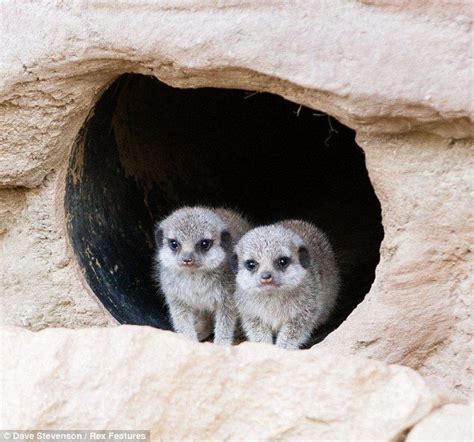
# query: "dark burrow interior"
[[148, 148]]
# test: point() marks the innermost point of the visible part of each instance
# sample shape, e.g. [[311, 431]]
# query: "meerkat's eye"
[[173, 244], [205, 244], [283, 262], [251, 264]]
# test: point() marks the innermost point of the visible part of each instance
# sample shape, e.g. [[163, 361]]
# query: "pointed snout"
[[266, 278], [187, 259]]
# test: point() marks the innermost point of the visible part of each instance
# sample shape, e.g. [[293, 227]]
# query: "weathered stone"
[[56, 58], [12, 202], [450, 422], [418, 312], [39, 284], [132, 377]]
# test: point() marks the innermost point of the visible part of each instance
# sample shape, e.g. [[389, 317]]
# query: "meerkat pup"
[[287, 282], [193, 246]]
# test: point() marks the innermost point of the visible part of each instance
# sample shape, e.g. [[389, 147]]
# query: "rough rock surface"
[[450, 422], [57, 57], [131, 377], [419, 310], [39, 287]]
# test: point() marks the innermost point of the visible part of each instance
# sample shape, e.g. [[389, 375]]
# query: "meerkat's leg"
[[256, 330], [183, 318], [294, 333], [226, 318], [204, 325]]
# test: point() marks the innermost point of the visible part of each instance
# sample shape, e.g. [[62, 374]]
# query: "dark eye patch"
[[173, 244], [283, 262], [204, 245], [251, 265]]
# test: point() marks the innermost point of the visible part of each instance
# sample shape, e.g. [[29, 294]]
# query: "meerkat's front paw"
[[287, 345], [226, 341]]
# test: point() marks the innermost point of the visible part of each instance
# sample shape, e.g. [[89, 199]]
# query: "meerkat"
[[193, 247], [287, 282]]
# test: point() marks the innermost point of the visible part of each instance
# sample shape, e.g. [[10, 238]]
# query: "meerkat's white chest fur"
[[276, 309], [199, 289]]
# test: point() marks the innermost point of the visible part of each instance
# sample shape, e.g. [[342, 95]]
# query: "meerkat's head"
[[270, 258], [192, 239]]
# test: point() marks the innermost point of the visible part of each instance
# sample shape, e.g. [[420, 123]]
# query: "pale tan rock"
[[58, 57], [40, 286], [418, 311], [132, 377], [12, 202], [452, 422]]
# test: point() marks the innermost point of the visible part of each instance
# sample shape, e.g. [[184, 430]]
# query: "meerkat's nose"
[[266, 278], [188, 260]]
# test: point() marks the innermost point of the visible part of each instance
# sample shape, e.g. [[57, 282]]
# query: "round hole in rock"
[[148, 148]]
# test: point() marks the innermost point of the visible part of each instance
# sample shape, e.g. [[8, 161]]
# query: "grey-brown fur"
[[296, 298], [199, 294]]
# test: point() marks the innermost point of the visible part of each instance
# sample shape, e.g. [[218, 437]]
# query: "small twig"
[[331, 130], [251, 95], [330, 126], [297, 112]]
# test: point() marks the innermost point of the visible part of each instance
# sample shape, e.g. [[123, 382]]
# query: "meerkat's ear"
[[226, 240], [234, 262], [159, 237], [303, 256]]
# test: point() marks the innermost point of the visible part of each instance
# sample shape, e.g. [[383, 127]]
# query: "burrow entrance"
[[148, 148]]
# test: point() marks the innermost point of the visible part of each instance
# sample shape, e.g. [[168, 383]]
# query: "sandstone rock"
[[12, 202], [418, 312], [56, 58], [450, 422], [132, 377], [39, 285]]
